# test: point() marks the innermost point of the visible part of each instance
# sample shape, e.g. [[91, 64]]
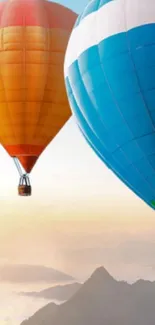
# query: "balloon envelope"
[[33, 101], [110, 82]]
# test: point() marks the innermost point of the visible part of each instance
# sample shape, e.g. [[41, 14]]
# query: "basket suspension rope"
[[18, 166], [24, 181]]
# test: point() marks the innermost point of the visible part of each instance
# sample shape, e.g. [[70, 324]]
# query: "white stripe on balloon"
[[115, 17]]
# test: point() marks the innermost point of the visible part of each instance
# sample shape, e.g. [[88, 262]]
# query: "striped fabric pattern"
[[110, 81], [33, 102]]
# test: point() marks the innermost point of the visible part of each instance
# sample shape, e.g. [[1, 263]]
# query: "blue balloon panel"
[[110, 83]]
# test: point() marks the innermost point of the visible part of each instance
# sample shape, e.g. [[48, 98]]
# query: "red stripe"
[[27, 162], [36, 13], [26, 153], [24, 150]]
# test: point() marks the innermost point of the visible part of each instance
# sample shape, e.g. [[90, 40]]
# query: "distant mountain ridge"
[[41, 315], [102, 300], [59, 292], [20, 273]]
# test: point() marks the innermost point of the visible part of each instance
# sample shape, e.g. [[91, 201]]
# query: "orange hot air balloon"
[[33, 101]]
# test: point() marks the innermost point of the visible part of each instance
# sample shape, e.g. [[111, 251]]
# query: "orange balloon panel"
[[33, 101]]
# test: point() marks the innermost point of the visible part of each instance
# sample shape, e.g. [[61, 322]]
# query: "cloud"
[[141, 252], [31, 273], [130, 258]]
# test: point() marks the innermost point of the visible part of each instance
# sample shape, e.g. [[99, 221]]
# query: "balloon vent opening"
[[24, 187]]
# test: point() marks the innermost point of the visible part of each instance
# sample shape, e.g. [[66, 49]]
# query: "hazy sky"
[[79, 216]]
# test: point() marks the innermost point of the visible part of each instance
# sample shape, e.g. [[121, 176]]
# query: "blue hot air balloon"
[[110, 81]]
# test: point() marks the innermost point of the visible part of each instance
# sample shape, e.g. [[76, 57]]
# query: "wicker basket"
[[24, 190]]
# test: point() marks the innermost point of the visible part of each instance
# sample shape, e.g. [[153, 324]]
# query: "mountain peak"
[[100, 279], [101, 274]]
